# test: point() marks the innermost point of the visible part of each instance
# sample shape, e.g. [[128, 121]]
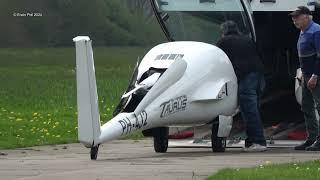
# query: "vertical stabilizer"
[[87, 97]]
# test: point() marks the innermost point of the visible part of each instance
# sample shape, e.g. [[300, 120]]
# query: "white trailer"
[[266, 21]]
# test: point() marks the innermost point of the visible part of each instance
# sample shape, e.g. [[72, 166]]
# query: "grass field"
[[38, 92], [293, 171]]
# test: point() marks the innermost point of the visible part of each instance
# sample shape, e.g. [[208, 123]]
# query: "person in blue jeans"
[[243, 55]]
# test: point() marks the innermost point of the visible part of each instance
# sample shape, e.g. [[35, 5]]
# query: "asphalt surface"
[[128, 159]]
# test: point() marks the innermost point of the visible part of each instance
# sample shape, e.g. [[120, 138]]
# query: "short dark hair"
[[230, 27]]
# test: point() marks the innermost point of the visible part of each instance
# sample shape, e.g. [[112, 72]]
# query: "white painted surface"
[[280, 5], [188, 93], [87, 97]]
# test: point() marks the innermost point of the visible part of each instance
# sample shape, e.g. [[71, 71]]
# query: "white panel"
[[195, 5], [225, 126], [87, 98], [298, 86], [280, 5]]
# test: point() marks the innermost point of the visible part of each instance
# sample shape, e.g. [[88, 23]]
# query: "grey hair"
[[310, 17]]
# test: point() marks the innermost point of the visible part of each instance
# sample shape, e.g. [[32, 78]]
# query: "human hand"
[[312, 83]]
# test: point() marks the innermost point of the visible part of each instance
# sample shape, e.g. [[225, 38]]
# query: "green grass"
[[38, 92], [293, 171]]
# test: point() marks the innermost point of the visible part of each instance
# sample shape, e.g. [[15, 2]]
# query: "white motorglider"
[[176, 83], [185, 83]]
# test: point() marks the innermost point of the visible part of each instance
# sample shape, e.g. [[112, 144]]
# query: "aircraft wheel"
[[160, 139], [94, 152], [218, 143]]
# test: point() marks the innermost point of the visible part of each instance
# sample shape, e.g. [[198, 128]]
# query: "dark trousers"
[[310, 102], [249, 90]]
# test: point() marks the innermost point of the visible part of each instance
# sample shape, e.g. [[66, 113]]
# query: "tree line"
[[53, 23]]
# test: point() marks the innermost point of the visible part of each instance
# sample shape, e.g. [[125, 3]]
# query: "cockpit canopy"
[[200, 20]]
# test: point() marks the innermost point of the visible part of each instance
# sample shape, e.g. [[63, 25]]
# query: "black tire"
[[160, 139], [94, 152], [218, 143]]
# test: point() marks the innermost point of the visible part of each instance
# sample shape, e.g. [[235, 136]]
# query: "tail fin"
[[87, 97]]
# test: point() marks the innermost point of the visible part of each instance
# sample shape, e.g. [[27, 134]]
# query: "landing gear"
[[218, 143], [160, 139], [94, 152]]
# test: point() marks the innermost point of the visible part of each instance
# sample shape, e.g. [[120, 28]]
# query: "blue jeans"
[[249, 91]]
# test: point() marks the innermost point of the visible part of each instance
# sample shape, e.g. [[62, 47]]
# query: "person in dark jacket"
[[243, 55]]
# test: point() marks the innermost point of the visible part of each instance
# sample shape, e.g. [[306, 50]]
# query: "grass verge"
[[268, 171], [38, 92]]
